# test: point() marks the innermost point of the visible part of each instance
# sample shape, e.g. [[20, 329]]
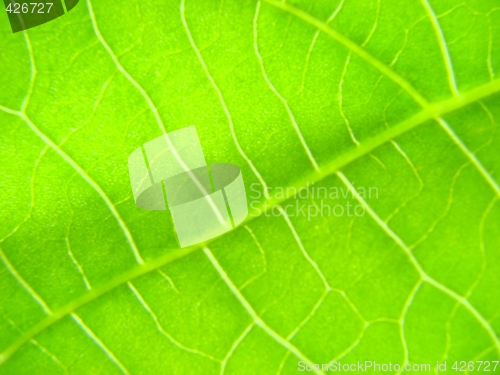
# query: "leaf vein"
[[424, 276], [99, 343], [221, 98], [86, 177], [435, 110], [276, 92], [24, 283], [162, 330], [443, 47], [257, 319]]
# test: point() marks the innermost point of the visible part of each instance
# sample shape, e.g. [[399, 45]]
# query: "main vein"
[[364, 148]]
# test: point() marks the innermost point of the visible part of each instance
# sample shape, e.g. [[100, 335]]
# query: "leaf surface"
[[393, 105]]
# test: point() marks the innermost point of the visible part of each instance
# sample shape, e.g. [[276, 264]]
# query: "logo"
[[171, 171], [25, 14]]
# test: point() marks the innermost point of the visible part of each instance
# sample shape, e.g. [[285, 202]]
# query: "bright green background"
[[336, 93]]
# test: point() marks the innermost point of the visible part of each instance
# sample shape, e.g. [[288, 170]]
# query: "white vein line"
[[482, 354], [482, 246], [120, 67], [276, 92], [351, 304], [316, 268], [238, 341], [402, 318], [475, 161], [449, 203], [410, 163], [258, 321], [163, 331], [49, 354], [493, 125], [221, 99], [100, 97], [309, 316], [374, 27], [417, 176], [352, 346], [263, 256], [32, 193], [33, 72], [77, 265], [454, 8], [169, 280], [495, 316], [38, 161], [340, 98], [24, 284], [99, 343], [313, 43], [443, 46], [425, 277], [341, 83], [282, 363], [304, 251], [153, 108], [447, 348], [489, 61], [400, 51], [84, 175], [43, 349]]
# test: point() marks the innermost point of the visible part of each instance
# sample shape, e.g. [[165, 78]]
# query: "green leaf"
[[393, 106]]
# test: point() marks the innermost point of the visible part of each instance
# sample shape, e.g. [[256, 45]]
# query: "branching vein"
[[99, 343], [413, 260], [257, 319], [163, 331], [275, 91]]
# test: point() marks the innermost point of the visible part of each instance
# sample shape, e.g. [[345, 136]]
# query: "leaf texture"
[[398, 96]]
